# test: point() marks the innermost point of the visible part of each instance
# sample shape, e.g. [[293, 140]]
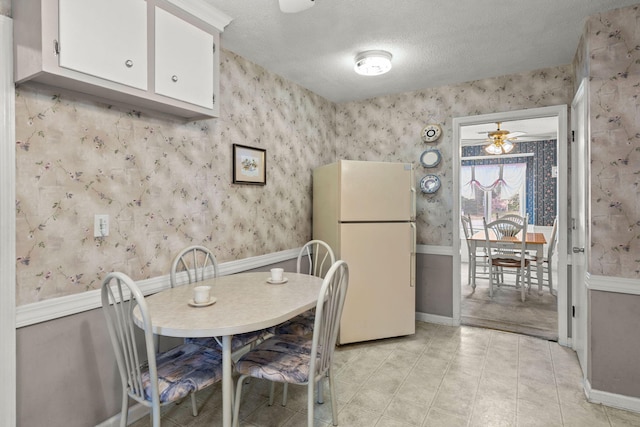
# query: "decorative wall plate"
[[429, 184], [430, 158], [431, 133]]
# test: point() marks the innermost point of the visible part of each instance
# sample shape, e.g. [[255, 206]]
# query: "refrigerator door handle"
[[413, 204], [414, 236]]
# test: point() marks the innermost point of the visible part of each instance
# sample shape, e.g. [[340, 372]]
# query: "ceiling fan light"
[[507, 146], [295, 6], [373, 62], [492, 149]]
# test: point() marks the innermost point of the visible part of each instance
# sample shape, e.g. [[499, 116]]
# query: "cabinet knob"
[[128, 63], [174, 78]]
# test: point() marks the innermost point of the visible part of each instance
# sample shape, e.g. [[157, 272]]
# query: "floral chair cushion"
[[237, 341], [282, 358], [183, 370], [301, 325]]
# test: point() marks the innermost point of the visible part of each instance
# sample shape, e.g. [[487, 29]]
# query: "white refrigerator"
[[366, 212]]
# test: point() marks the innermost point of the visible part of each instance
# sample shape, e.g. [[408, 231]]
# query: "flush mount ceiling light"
[[501, 142], [373, 62], [295, 6]]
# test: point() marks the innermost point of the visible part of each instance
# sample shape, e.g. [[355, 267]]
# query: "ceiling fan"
[[295, 6], [500, 141]]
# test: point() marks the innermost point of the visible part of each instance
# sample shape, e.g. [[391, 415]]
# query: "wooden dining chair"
[[507, 252], [299, 359], [477, 258], [547, 260], [164, 377]]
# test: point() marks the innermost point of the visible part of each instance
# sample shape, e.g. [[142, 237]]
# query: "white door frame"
[[580, 237], [7, 227], [559, 111]]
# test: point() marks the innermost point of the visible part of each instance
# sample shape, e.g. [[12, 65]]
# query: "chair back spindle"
[[319, 258]]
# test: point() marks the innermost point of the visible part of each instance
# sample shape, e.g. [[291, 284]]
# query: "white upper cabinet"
[[106, 39], [184, 60], [146, 54]]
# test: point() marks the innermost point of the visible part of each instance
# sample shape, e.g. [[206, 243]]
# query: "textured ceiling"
[[434, 43]]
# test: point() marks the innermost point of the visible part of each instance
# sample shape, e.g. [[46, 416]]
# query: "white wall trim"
[[433, 318], [611, 399], [42, 311], [136, 412], [205, 12], [619, 285], [434, 250], [7, 226]]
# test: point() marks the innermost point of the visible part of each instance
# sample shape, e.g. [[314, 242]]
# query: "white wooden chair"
[[479, 258], [509, 253], [547, 261], [299, 359], [164, 377]]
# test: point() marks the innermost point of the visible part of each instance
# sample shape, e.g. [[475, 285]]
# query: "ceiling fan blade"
[[295, 6]]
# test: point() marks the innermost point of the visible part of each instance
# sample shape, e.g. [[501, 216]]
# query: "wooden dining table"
[[533, 242], [244, 302]]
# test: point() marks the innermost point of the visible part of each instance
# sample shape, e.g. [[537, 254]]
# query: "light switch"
[[554, 171], [101, 225]]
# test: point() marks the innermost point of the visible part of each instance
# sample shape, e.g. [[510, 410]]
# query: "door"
[[381, 298], [106, 39], [184, 60], [580, 215], [376, 191]]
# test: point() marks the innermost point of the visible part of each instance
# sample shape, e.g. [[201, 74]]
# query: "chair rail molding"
[[54, 308], [619, 285], [434, 250]]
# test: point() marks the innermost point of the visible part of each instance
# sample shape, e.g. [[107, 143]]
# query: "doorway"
[[557, 115]]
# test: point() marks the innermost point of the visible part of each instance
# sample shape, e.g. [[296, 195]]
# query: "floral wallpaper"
[[388, 128], [612, 43], [164, 183]]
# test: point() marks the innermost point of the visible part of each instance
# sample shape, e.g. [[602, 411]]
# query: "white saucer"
[[192, 303], [284, 280]]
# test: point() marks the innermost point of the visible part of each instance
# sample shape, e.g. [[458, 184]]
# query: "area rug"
[[536, 316]]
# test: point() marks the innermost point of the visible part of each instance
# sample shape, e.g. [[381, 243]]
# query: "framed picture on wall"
[[249, 165]]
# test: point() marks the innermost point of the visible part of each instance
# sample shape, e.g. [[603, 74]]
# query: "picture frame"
[[249, 165]]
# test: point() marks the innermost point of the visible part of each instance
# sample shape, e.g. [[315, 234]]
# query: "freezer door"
[[376, 191], [381, 298]]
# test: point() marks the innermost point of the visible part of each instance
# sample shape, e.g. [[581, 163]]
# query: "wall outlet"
[[100, 225]]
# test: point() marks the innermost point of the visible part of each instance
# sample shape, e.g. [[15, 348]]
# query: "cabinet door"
[[106, 39], [184, 60]]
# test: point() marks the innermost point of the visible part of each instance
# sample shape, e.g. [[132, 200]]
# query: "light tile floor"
[[441, 376]]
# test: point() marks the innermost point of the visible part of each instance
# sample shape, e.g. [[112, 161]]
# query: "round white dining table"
[[244, 302]]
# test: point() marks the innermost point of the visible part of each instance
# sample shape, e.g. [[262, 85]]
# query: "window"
[[493, 190]]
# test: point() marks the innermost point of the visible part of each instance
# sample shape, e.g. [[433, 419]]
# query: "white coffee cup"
[[277, 274], [201, 294]]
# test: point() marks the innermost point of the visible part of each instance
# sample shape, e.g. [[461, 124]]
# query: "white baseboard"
[[611, 399], [434, 318], [136, 412]]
